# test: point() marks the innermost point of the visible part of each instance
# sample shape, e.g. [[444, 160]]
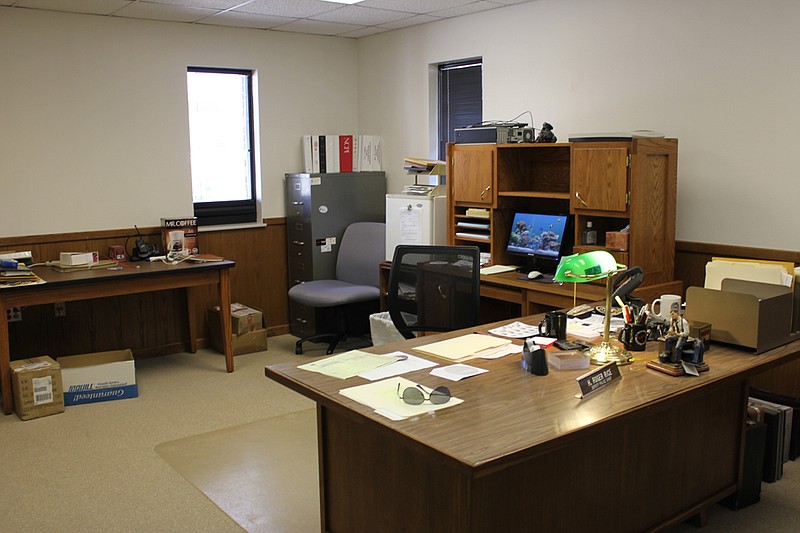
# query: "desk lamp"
[[591, 266]]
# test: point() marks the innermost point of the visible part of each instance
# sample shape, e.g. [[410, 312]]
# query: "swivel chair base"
[[334, 340]]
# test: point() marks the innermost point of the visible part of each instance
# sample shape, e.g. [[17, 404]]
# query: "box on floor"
[[248, 327], [98, 377], [37, 387]]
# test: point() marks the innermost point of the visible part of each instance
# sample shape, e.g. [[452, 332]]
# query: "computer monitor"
[[541, 238]]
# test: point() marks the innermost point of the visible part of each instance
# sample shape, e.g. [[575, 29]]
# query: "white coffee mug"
[[665, 304]]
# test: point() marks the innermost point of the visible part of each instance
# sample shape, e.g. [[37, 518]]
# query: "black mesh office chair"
[[361, 251], [434, 288]]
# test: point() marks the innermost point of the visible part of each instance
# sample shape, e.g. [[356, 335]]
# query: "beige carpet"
[[262, 474]]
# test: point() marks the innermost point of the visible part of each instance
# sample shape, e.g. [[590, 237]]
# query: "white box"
[[78, 258], [98, 377]]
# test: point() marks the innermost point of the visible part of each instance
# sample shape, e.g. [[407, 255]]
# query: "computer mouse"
[[534, 274]]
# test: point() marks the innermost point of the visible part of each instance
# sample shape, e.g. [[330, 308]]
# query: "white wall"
[[723, 76], [93, 114]]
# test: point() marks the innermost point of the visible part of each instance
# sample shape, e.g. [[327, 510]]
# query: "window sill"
[[225, 227]]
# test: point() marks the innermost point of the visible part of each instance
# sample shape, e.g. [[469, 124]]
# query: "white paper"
[[410, 226], [516, 330], [457, 372], [409, 364]]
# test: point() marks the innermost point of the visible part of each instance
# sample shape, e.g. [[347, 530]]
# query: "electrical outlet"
[[14, 314], [61, 309]]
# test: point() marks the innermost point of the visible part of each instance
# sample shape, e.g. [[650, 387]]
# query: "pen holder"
[[634, 337]]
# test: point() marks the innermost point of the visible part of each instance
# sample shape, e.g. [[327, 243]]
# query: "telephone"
[[626, 283], [141, 249]]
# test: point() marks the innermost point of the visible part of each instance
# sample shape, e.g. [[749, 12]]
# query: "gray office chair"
[[434, 288], [361, 251]]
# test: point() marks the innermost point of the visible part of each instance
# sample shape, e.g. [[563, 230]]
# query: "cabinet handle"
[[483, 193], [297, 203], [299, 243], [578, 196]]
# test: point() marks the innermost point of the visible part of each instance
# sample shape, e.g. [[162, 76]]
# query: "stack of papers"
[[383, 398], [468, 347], [349, 364], [497, 269]]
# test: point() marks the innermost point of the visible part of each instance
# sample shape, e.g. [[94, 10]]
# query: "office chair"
[[361, 251], [434, 288]]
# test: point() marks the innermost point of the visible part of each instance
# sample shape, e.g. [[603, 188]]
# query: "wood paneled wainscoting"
[[151, 324], [690, 264]]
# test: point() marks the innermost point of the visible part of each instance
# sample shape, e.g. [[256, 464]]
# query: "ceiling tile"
[[361, 15], [466, 9], [411, 21], [151, 11], [245, 20], [415, 6], [317, 27], [288, 8], [92, 7]]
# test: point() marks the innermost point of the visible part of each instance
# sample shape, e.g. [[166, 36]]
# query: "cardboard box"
[[179, 235], [617, 240], [244, 319], [744, 313], [98, 377], [251, 340], [37, 387]]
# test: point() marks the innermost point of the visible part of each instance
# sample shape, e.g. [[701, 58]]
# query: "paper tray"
[[745, 313]]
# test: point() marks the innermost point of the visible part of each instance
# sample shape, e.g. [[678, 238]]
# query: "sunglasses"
[[416, 396]]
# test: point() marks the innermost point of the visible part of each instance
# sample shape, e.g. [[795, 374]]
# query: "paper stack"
[[466, 347]]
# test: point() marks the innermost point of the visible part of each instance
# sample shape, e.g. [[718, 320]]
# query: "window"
[[460, 99], [221, 144]]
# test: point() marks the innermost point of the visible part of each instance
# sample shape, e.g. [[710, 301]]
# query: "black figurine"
[[546, 134]]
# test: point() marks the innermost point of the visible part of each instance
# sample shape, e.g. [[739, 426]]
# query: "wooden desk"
[[522, 453], [100, 283], [536, 297]]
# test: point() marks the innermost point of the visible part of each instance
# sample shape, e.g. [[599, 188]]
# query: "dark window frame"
[[233, 211], [458, 91]]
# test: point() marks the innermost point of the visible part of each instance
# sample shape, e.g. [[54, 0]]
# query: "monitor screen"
[[537, 235]]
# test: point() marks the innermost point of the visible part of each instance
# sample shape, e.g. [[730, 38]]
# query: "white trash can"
[[382, 329]]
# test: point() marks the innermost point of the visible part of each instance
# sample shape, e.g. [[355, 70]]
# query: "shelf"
[[536, 194]]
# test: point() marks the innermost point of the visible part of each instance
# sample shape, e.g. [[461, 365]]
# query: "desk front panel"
[[519, 437]]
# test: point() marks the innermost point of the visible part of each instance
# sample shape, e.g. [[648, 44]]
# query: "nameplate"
[[597, 379]]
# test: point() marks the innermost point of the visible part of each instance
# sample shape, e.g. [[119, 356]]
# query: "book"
[[345, 153], [377, 153], [794, 403], [315, 153], [775, 420], [307, 158], [322, 159], [331, 153]]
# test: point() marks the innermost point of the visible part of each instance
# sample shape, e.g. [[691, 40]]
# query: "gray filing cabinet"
[[318, 209]]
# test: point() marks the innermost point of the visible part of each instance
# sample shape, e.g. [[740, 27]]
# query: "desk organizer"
[[750, 314]]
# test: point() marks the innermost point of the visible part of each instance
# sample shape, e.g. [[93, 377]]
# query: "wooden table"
[[100, 283], [537, 296], [522, 453]]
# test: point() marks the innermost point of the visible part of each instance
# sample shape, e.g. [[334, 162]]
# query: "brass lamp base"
[[605, 353]]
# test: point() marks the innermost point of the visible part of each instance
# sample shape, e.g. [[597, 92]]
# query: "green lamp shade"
[[580, 268]]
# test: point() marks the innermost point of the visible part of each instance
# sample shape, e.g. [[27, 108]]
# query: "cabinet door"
[[473, 174], [600, 178]]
